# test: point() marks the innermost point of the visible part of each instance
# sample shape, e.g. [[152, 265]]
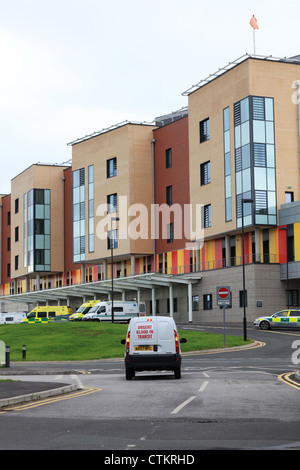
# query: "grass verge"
[[78, 341]]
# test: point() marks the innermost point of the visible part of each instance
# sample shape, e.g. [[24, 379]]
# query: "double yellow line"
[[286, 378], [46, 401]]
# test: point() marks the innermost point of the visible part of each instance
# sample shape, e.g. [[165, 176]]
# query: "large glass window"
[[255, 159], [38, 230], [227, 164], [91, 209], [79, 215]]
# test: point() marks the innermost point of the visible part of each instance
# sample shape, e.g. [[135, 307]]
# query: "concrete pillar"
[[171, 302], [190, 303], [139, 295], [227, 251], [132, 260], [153, 301], [257, 246], [104, 270]]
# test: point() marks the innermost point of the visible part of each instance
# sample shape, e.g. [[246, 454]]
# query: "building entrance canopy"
[[120, 285]]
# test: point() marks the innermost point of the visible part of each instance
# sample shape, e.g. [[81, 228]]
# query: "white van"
[[152, 343], [123, 311], [12, 318]]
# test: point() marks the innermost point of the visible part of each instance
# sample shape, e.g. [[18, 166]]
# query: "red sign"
[[223, 292]]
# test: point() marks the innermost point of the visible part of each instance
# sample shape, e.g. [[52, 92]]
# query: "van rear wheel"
[[177, 373], [129, 374]]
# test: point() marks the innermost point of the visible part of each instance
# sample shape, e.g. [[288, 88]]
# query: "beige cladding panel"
[[209, 102], [37, 177], [277, 80], [252, 77], [131, 145]]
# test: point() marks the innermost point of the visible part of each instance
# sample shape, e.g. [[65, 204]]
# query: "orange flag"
[[253, 22]]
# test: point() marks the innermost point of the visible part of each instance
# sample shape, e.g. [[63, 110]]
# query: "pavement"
[[14, 390]]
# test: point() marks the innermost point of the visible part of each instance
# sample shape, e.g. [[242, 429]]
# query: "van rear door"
[[166, 339], [143, 337]]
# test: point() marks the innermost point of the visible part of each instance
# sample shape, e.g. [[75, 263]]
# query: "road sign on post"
[[223, 296], [223, 300]]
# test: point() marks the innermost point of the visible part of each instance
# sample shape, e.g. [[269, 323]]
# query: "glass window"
[[169, 197], [270, 132], [207, 216], [271, 202], [245, 133], [239, 188], [259, 154], [228, 209], [246, 175], [227, 186], [269, 108], [111, 167], [227, 141], [227, 164], [39, 211], [260, 178], [112, 203], [271, 156], [204, 130], [237, 136], [258, 104], [245, 110], [259, 134], [246, 156], [271, 179], [204, 173], [168, 158], [226, 117]]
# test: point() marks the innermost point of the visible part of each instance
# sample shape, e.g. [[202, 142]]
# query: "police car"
[[283, 319]]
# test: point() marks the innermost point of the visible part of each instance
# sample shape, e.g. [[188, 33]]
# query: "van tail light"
[[127, 343], [176, 342]]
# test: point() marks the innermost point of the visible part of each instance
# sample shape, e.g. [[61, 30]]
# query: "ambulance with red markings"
[[152, 343]]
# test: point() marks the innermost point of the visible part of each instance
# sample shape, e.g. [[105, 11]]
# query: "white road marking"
[[203, 386], [176, 410]]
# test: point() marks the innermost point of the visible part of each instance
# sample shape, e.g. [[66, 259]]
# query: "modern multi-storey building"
[[128, 205]]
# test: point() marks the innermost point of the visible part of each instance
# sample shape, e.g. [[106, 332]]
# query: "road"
[[225, 400]]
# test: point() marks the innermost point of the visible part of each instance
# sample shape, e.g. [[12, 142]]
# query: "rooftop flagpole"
[[253, 23]]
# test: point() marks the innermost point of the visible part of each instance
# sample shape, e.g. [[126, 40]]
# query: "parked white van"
[[152, 343], [124, 311], [12, 318]]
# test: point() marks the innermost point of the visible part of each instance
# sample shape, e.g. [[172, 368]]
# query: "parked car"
[[283, 319]]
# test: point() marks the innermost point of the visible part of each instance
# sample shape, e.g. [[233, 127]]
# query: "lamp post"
[[112, 242], [244, 201], [287, 266]]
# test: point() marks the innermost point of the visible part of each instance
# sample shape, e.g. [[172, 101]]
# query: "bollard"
[[24, 351], [7, 356]]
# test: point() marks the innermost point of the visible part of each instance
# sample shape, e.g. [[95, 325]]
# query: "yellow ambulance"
[[83, 309], [48, 313]]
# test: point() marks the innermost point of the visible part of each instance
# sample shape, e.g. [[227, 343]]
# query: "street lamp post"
[[112, 242], [244, 201], [287, 266]]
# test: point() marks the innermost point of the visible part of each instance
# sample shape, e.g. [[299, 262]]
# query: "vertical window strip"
[[91, 209], [227, 164], [79, 215]]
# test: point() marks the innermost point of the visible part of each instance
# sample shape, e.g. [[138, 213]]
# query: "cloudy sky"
[[73, 67]]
